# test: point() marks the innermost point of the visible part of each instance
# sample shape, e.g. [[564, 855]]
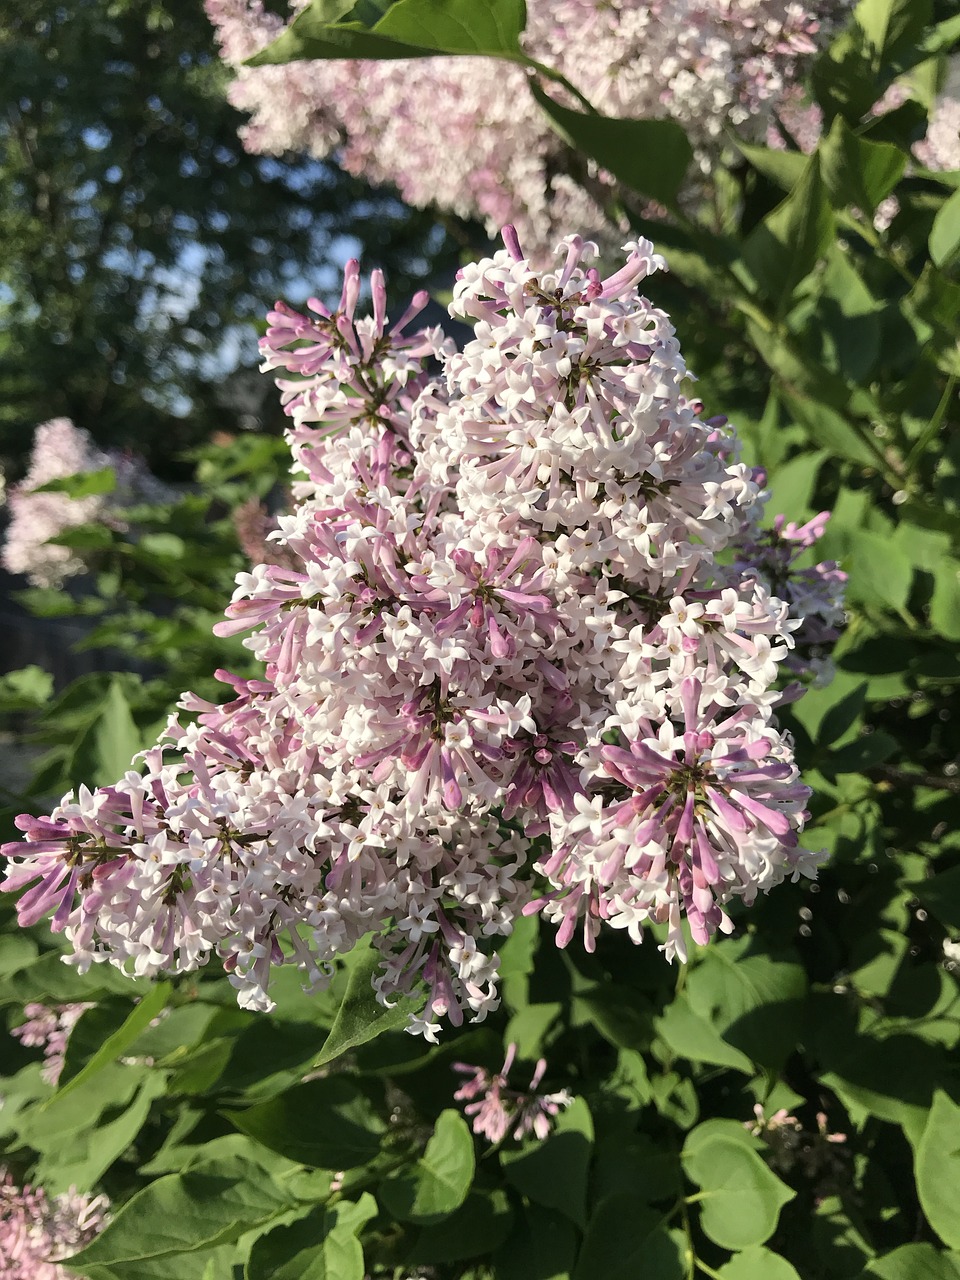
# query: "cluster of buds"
[[496, 1111], [514, 662]]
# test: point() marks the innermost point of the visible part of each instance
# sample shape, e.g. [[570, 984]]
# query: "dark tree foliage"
[[140, 241]]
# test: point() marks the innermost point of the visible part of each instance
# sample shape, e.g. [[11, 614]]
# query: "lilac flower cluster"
[[710, 64], [519, 666], [496, 1110], [61, 450], [49, 1029], [35, 1230]]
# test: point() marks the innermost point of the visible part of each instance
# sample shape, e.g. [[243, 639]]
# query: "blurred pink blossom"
[[49, 1028], [708, 64]]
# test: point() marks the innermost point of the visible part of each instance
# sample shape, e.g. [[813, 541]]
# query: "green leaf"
[[439, 1181], [887, 24], [945, 602], [913, 1262], [84, 537], [879, 571], [327, 1124], [105, 750], [49, 979], [758, 1264], [361, 1017], [85, 484], [542, 1246], [842, 716], [116, 1044], [831, 429], [690, 1036], [872, 748], [856, 171], [743, 1200], [553, 1173], [81, 1159], [457, 26], [754, 1000], [625, 1241], [649, 156], [945, 233], [321, 1246], [784, 168], [182, 1213], [529, 1028], [479, 1226], [167, 546], [941, 895], [789, 242], [26, 689], [938, 1169], [792, 484], [408, 29]]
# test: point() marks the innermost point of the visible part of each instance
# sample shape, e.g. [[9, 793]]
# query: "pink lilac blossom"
[[940, 149], [513, 665], [815, 593], [709, 64], [496, 1110], [37, 1230], [61, 450], [49, 1029]]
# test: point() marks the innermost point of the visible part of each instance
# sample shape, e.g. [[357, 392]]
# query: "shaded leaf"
[[480, 1225], [327, 1124], [406, 29], [649, 156], [940, 894], [553, 1173], [321, 1246], [120, 1040], [624, 1241], [789, 241]]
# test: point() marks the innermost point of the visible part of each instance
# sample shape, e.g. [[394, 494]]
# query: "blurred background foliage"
[[142, 244]]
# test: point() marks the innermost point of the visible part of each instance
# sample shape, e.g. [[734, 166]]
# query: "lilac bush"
[[528, 660]]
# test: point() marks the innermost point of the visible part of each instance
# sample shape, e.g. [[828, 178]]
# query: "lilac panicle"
[[522, 639]]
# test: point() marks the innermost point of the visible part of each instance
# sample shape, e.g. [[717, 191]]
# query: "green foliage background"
[[320, 1142]]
